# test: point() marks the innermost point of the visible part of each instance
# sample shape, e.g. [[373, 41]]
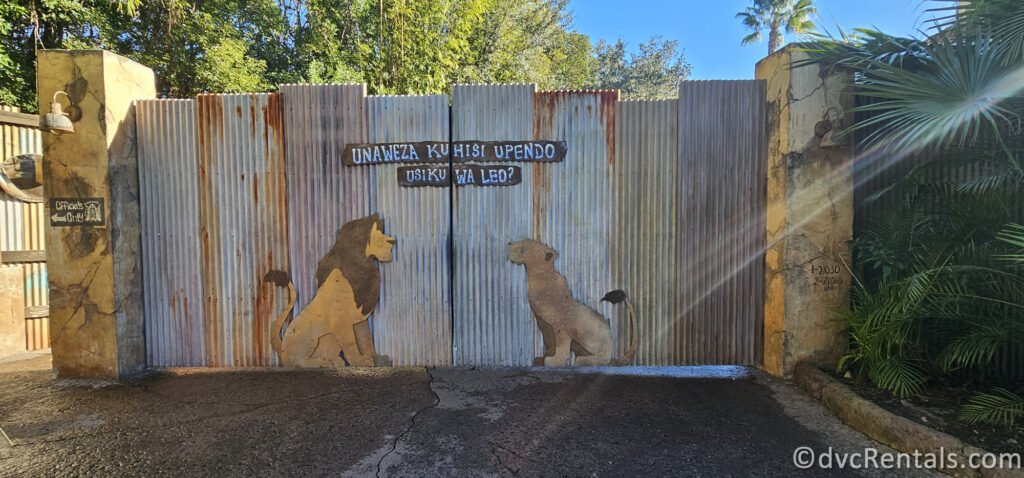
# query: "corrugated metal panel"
[[244, 223], [569, 205], [172, 264], [21, 229], [575, 201], [493, 324], [322, 194], [648, 212], [637, 177], [37, 333], [721, 282], [412, 322]]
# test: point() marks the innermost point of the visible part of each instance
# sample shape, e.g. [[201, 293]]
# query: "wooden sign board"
[[458, 152], [463, 174]]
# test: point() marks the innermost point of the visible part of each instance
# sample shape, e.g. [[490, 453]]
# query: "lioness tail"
[[280, 279], [615, 297]]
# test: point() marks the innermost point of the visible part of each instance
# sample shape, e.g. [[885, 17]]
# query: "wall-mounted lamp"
[[57, 121], [829, 129]]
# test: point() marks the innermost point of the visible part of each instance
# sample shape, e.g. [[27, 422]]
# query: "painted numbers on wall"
[[827, 278]]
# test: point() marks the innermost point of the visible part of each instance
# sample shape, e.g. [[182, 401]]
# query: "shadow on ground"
[[407, 422]]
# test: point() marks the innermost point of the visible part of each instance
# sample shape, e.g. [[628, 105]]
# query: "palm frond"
[[899, 376], [976, 348], [752, 38], [959, 91], [1013, 235], [999, 407], [1004, 18]]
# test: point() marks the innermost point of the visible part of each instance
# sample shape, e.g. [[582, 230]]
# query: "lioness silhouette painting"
[[565, 324], [332, 331]]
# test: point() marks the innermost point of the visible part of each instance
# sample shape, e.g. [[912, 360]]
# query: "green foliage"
[[13, 82], [940, 295], [395, 46], [529, 41], [1004, 19], [192, 46], [884, 328], [958, 89], [653, 73], [936, 300], [776, 16], [999, 407]]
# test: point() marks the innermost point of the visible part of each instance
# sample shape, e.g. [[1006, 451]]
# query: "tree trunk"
[[774, 39]]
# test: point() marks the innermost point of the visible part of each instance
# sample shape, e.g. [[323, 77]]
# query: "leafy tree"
[[528, 41], [654, 72], [193, 46], [31, 25], [415, 46], [13, 76], [1002, 19], [394, 46], [776, 16]]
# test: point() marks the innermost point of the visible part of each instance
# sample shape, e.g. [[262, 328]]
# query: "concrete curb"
[[892, 430]]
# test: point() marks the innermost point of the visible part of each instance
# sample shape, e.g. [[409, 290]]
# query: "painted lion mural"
[[332, 331], [565, 323]]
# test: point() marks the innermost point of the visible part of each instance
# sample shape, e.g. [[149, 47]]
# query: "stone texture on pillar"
[[12, 311], [96, 315], [810, 212]]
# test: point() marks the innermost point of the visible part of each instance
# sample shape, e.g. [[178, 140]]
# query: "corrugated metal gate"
[[663, 199], [21, 238]]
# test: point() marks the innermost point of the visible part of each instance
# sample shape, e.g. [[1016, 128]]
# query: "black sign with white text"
[[460, 152], [429, 175], [76, 212]]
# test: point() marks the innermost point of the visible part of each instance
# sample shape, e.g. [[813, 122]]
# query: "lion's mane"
[[349, 255]]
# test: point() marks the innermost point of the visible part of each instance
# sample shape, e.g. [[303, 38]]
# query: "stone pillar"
[[93, 260], [810, 212]]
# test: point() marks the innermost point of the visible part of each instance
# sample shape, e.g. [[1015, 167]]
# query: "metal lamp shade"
[[55, 121]]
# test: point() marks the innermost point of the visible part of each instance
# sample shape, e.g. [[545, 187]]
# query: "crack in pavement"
[[496, 456], [412, 421]]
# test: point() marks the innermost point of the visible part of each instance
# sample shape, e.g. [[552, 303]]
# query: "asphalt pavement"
[[415, 422]]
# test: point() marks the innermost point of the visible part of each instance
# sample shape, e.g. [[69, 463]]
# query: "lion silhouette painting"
[[566, 324], [332, 331]]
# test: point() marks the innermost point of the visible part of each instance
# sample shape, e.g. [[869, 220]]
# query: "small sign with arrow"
[[77, 212]]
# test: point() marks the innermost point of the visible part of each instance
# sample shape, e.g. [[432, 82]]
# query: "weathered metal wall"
[[720, 264], [172, 261], [648, 204], [493, 324], [21, 229], [412, 321], [575, 201], [663, 199], [568, 205], [244, 224], [322, 194]]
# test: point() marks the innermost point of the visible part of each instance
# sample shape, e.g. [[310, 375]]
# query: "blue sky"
[[710, 34]]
